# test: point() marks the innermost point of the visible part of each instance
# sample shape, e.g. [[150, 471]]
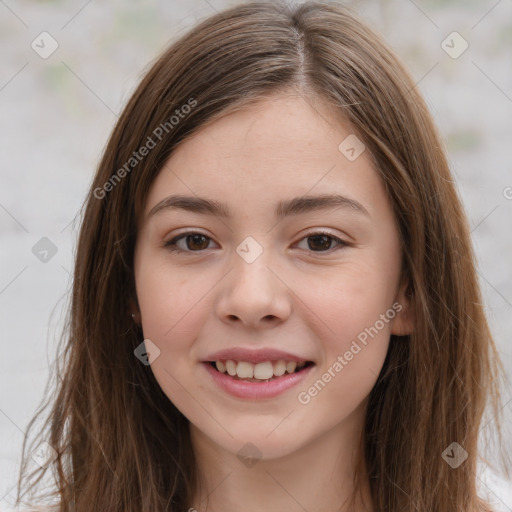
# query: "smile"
[[265, 370], [266, 379]]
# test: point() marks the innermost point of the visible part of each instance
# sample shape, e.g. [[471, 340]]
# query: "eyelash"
[[172, 247]]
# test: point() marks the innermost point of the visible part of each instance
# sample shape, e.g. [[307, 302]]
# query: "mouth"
[[265, 371]]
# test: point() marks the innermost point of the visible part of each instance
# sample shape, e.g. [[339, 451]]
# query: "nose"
[[254, 294]]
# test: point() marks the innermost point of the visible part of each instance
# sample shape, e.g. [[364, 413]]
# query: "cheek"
[[172, 304], [347, 301], [350, 311], [353, 321]]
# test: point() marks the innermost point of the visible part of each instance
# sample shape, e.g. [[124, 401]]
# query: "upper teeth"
[[265, 370]]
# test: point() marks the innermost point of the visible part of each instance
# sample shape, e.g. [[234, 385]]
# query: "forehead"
[[284, 126], [281, 146]]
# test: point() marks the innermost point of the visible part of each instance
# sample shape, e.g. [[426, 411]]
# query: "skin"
[[310, 299]]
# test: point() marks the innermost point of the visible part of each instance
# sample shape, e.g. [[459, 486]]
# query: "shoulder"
[[494, 488]]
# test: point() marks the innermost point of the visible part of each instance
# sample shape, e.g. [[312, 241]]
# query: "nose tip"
[[252, 293]]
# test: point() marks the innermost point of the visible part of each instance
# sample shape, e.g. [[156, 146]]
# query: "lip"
[[256, 390], [254, 356]]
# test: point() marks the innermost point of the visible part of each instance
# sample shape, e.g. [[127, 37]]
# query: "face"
[[265, 280]]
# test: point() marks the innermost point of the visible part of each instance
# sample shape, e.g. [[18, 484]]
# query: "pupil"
[[195, 238], [324, 238]]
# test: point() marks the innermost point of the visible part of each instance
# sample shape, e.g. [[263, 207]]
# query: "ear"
[[133, 311], [404, 321]]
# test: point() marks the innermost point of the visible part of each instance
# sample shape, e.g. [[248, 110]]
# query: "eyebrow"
[[295, 206]]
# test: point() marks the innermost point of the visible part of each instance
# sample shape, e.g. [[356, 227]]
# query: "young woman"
[[275, 303]]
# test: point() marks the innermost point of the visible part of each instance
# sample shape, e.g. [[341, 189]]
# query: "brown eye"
[[195, 242], [322, 242]]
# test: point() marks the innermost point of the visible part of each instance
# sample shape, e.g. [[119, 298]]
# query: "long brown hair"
[[120, 443]]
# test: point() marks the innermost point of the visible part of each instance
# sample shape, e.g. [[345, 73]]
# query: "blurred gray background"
[[69, 66]]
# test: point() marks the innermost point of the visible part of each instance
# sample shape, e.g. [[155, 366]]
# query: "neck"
[[317, 477]]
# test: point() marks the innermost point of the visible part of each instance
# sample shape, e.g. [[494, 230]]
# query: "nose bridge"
[[253, 291], [251, 271]]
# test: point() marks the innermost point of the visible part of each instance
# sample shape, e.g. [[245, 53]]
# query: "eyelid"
[[319, 231]]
